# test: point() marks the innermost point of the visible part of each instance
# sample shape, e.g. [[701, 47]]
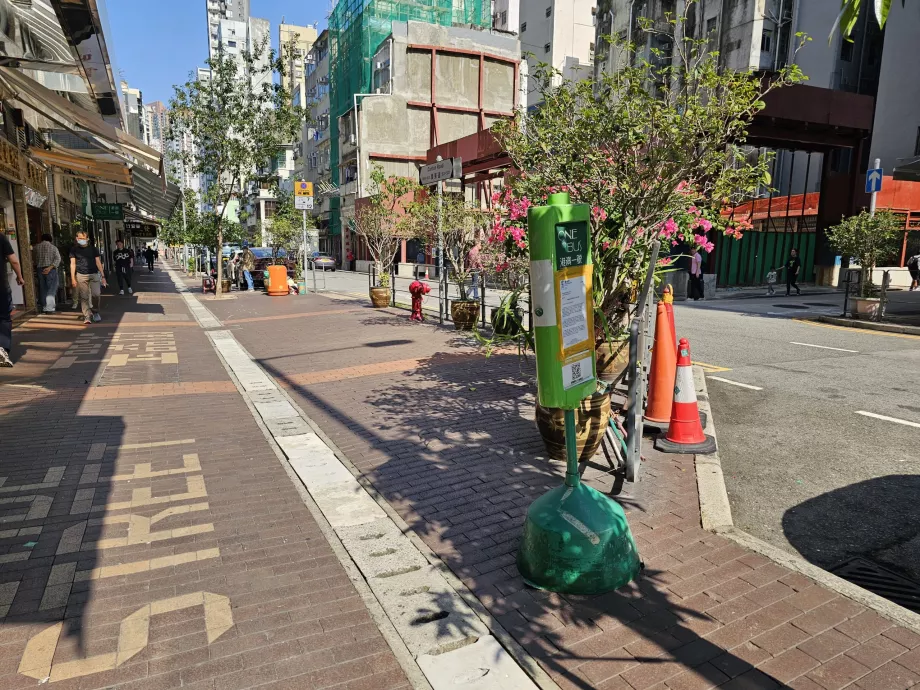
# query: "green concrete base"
[[577, 541]]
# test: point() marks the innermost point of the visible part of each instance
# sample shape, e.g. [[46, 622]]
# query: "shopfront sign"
[[104, 211]]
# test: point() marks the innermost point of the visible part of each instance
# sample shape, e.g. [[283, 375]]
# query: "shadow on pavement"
[[875, 519], [454, 449]]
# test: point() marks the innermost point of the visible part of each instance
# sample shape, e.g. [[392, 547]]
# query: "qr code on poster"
[[576, 371]]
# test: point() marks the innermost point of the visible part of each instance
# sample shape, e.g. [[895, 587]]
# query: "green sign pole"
[[576, 540]]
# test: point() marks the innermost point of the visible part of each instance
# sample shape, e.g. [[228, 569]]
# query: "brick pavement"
[[449, 440], [149, 537]]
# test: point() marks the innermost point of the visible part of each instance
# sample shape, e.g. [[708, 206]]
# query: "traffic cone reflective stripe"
[[685, 432], [663, 370]]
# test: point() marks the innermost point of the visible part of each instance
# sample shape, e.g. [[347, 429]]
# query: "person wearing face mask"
[[86, 273]]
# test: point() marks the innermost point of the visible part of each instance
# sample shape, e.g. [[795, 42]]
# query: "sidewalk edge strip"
[[715, 515]]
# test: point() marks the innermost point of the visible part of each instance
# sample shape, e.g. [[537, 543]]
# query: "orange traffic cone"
[[685, 433], [663, 371], [426, 273]]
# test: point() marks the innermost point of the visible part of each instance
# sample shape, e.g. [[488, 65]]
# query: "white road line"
[[888, 419], [735, 383], [824, 347]]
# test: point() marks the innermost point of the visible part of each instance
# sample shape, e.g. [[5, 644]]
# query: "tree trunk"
[[218, 287]]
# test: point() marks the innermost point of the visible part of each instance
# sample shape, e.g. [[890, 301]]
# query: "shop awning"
[[150, 194], [79, 121], [109, 170]]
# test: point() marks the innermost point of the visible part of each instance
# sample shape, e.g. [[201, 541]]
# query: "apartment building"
[[559, 33]]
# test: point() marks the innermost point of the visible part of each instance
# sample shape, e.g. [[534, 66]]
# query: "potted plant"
[[462, 229], [379, 220], [867, 239]]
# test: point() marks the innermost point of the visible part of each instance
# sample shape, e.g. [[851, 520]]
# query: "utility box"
[[561, 271]]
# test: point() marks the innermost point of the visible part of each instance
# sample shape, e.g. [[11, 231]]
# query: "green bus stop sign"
[[576, 540]]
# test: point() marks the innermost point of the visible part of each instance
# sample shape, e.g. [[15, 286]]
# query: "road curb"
[[868, 325], [716, 516], [715, 510]]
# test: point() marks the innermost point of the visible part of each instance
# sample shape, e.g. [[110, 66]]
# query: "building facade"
[[217, 10], [434, 84], [301, 38], [313, 155], [134, 112], [559, 33], [157, 123]]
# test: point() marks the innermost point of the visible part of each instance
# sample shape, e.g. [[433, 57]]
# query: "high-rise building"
[[557, 32], [133, 107], [302, 39], [235, 10], [156, 119]]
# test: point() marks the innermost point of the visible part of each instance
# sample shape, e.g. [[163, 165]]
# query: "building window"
[[546, 48], [710, 25], [846, 50], [917, 143], [766, 41], [504, 19], [523, 27], [231, 44], [549, 11]]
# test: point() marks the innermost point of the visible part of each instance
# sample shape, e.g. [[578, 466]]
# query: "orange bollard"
[[663, 370], [667, 296], [685, 433]]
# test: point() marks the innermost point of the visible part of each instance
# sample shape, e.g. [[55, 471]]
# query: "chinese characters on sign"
[[574, 311]]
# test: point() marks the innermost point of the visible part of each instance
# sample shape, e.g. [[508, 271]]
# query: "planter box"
[[865, 307]]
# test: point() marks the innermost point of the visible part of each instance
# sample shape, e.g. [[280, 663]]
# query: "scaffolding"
[[356, 30]]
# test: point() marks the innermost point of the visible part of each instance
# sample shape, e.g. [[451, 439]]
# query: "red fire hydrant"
[[418, 289]]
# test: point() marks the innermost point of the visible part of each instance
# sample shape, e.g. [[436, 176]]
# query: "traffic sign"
[[302, 188], [448, 169], [874, 180], [303, 203]]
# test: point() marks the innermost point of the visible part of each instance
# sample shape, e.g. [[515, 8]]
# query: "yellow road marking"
[[710, 368], [849, 329]]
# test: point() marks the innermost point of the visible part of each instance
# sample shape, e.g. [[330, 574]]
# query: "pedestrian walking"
[[248, 264], [771, 281], [475, 264], [149, 255], [696, 275], [86, 275], [913, 267], [6, 300], [792, 272], [47, 259], [124, 264]]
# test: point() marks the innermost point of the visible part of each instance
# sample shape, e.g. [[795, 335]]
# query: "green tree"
[[284, 229], [868, 239], [464, 228], [238, 117], [380, 218], [656, 148]]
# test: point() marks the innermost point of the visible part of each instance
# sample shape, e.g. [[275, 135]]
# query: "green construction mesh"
[[356, 30]]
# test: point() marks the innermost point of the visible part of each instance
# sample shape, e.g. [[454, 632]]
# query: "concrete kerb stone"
[[869, 325], [716, 516], [481, 666], [715, 510], [347, 504]]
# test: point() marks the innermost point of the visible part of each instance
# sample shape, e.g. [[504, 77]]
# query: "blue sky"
[[156, 43]]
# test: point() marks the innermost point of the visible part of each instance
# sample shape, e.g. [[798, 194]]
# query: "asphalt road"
[[804, 470]]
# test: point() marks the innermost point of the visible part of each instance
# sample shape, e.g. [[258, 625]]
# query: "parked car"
[[263, 261], [322, 262]]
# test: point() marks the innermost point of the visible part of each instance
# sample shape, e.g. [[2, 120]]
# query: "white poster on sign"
[[573, 311], [577, 372]]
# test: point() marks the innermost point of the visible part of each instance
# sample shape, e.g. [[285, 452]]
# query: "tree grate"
[[881, 581]]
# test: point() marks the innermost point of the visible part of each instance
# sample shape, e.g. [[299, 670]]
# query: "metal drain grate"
[[881, 581]]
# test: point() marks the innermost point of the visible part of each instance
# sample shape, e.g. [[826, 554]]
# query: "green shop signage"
[[103, 211]]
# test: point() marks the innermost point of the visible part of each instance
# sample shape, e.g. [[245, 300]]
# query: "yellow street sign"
[[302, 188]]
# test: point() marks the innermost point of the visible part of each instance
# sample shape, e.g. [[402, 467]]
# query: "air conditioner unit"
[[352, 139], [378, 90]]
